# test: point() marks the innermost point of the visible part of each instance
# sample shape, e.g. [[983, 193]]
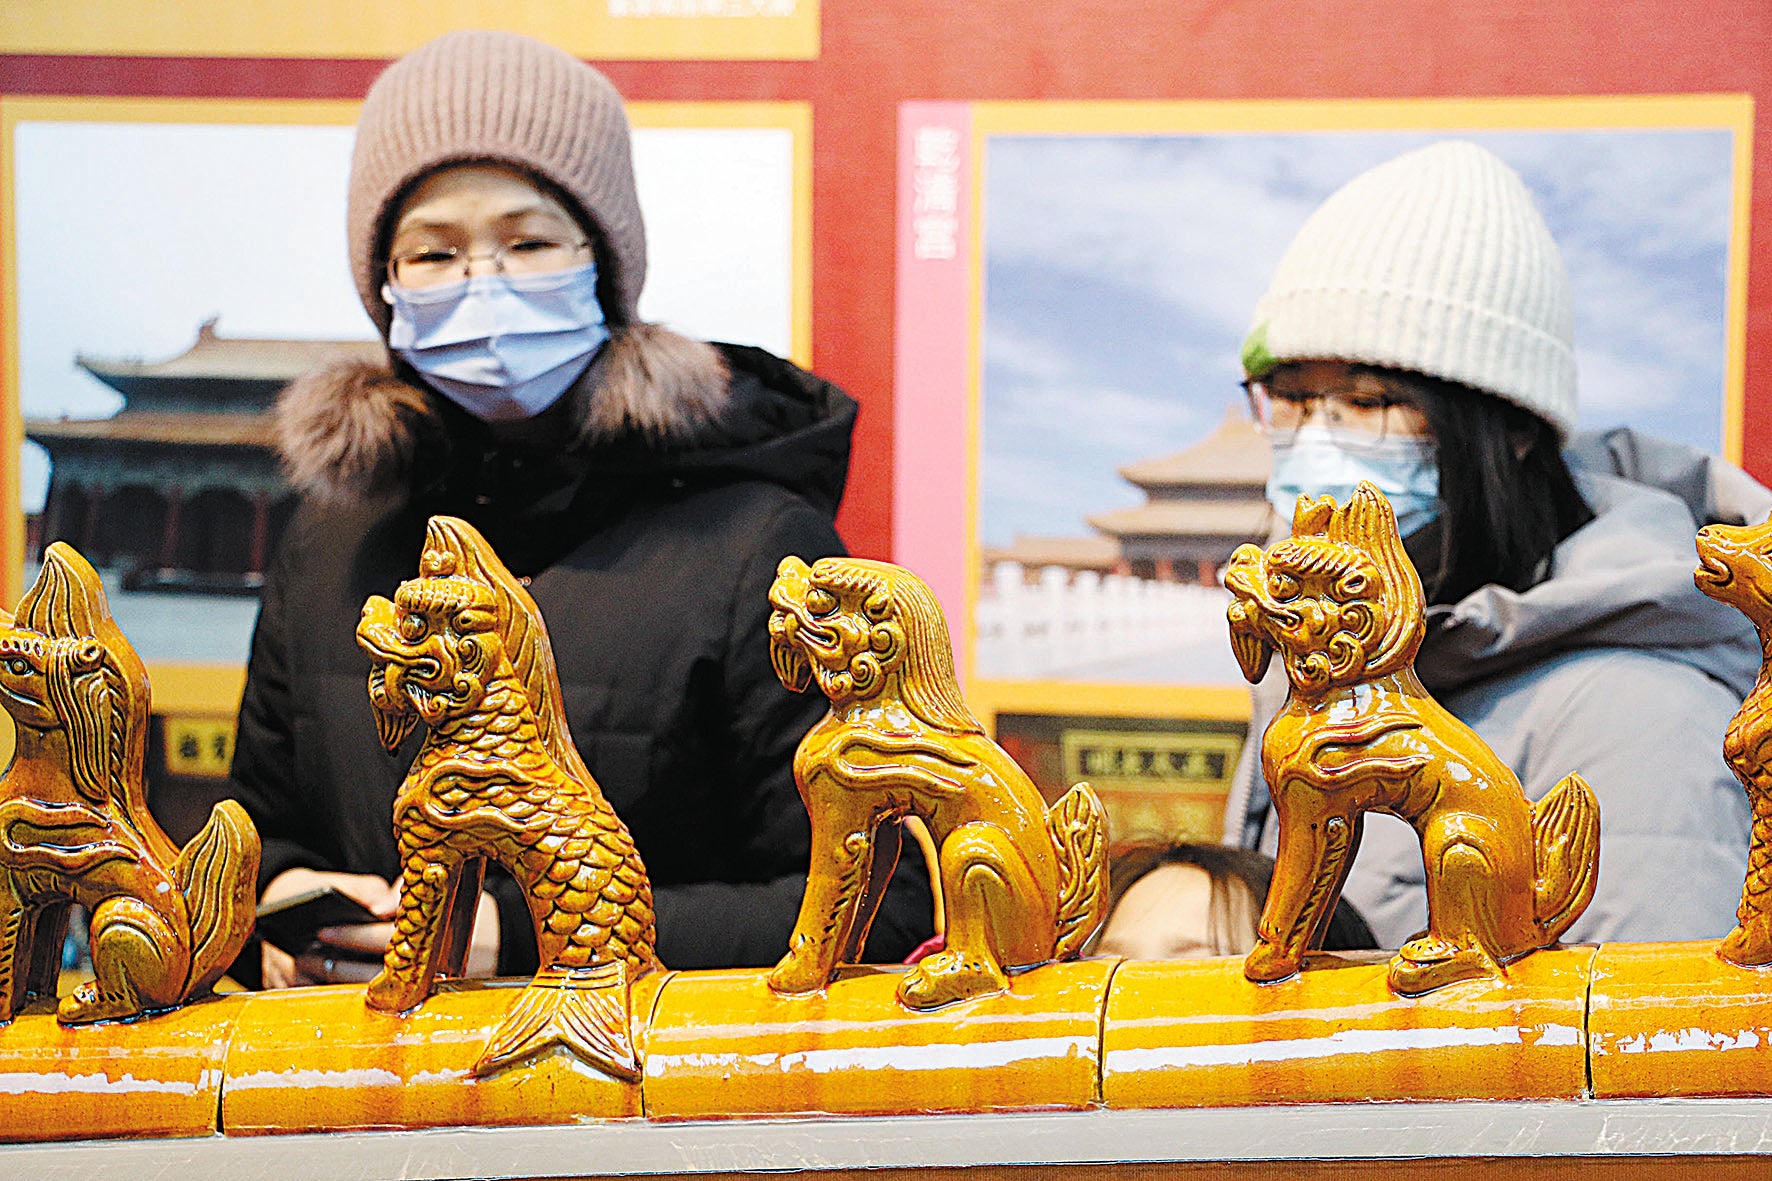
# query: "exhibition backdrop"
[[1022, 307], [230, 214], [1075, 282]]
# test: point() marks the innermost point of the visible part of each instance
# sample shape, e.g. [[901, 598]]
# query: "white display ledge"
[[1654, 1127]]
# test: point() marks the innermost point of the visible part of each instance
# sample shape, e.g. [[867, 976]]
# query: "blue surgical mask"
[[1312, 463], [500, 346]]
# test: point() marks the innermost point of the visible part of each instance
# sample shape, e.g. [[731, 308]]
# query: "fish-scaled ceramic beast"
[[463, 648], [75, 827], [1735, 567], [1021, 885], [1342, 606]]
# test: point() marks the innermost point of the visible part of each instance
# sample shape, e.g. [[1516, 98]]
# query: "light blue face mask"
[[500, 346], [1403, 467]]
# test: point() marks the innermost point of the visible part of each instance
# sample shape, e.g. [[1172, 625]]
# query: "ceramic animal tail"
[[1735, 567], [1341, 605], [463, 648], [75, 826], [1020, 884]]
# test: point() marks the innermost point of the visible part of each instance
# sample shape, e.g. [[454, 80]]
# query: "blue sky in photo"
[[1121, 271]]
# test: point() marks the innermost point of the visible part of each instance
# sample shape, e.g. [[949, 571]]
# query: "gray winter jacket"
[[1616, 666]]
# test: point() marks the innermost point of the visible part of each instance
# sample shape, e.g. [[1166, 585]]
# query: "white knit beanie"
[[1437, 262]]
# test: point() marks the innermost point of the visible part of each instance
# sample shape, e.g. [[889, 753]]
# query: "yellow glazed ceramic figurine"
[[463, 648], [1341, 604], [1735, 567], [75, 828], [1020, 885]]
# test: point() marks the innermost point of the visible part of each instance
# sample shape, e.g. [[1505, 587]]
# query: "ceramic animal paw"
[[75, 826], [1021, 884], [1341, 606]]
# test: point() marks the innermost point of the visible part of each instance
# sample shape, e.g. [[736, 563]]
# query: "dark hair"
[[1508, 495], [1226, 864]]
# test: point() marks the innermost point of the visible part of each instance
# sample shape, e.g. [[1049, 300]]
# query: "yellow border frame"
[[1729, 112], [215, 689], [350, 29]]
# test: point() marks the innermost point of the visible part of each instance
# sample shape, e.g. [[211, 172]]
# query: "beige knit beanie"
[[1438, 262], [505, 99]]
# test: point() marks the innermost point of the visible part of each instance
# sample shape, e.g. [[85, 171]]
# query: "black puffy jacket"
[[651, 563]]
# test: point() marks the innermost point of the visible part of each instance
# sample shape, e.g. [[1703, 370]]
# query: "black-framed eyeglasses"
[[433, 266]]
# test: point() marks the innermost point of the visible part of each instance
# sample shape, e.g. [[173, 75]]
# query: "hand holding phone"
[[343, 954], [294, 923]]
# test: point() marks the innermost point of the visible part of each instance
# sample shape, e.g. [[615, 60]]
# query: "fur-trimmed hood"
[[652, 398]]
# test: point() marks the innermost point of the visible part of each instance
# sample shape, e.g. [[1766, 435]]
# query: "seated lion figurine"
[[1021, 885], [75, 827], [1342, 606]]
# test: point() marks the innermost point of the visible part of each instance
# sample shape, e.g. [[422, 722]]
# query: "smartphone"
[[293, 923]]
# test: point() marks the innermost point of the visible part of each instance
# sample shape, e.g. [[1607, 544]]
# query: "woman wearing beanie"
[[1418, 333], [645, 485]]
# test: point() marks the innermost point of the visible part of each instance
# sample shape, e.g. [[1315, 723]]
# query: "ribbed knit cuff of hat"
[[1438, 262]]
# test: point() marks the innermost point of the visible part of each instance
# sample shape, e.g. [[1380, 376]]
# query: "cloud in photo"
[[1121, 271]]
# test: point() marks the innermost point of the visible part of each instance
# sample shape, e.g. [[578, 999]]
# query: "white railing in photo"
[[1066, 621]]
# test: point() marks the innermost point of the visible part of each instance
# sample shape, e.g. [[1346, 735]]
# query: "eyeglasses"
[[434, 266], [1360, 408]]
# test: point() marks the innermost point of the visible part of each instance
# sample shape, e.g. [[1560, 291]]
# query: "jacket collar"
[[353, 429]]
